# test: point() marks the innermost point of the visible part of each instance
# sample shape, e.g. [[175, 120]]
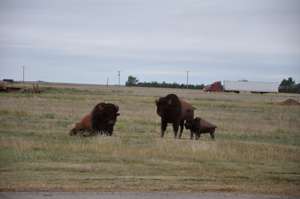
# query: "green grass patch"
[[257, 143]]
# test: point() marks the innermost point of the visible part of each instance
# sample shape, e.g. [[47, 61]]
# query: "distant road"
[[133, 195]]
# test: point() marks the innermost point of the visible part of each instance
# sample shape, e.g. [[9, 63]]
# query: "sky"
[[89, 41]]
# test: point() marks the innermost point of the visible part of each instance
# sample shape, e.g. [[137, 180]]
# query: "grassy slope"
[[256, 149]]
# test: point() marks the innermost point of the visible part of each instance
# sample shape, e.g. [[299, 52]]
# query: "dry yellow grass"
[[256, 148]]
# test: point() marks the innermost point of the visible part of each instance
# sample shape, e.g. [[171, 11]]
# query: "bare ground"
[[134, 195]]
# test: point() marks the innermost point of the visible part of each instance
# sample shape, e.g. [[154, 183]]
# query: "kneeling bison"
[[173, 110], [100, 120], [199, 126]]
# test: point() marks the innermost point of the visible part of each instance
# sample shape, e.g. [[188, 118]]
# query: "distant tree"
[[132, 81], [287, 82], [289, 86]]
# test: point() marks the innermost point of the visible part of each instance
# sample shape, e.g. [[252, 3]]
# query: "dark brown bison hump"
[[187, 110], [173, 110], [99, 115]]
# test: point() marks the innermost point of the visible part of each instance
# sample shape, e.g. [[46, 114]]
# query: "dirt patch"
[[289, 102], [142, 195]]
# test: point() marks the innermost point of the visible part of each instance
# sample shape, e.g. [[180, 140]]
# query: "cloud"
[[152, 38]]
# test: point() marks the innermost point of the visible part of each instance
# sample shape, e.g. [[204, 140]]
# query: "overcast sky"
[[88, 41]]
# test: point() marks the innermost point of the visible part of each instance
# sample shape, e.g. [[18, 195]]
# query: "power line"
[[107, 82], [119, 77], [23, 67], [187, 79]]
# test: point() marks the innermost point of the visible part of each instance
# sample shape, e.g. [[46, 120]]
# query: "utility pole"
[[23, 67], [119, 77], [107, 81], [187, 79]]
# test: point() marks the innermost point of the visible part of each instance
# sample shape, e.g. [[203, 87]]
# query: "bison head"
[[168, 107], [104, 115], [193, 124]]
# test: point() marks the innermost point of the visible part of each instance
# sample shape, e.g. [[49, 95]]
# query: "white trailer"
[[250, 86]]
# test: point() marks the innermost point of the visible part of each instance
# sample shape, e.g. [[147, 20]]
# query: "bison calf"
[[100, 120], [199, 126]]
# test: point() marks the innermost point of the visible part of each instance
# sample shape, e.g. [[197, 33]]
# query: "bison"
[[173, 110], [100, 120], [199, 126]]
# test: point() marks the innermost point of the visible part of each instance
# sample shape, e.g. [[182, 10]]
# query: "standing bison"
[[199, 126], [100, 120], [173, 110]]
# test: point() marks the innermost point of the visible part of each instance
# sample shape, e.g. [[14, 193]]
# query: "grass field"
[[257, 146]]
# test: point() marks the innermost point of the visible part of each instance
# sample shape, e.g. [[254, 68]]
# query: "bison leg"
[[163, 127], [212, 134], [92, 132], [181, 128], [197, 135], [110, 131], [192, 134], [175, 129]]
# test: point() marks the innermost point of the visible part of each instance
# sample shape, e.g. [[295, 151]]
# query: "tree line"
[[133, 81]]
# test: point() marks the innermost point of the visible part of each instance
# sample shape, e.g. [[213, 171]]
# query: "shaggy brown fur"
[[101, 120], [173, 110], [199, 126]]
